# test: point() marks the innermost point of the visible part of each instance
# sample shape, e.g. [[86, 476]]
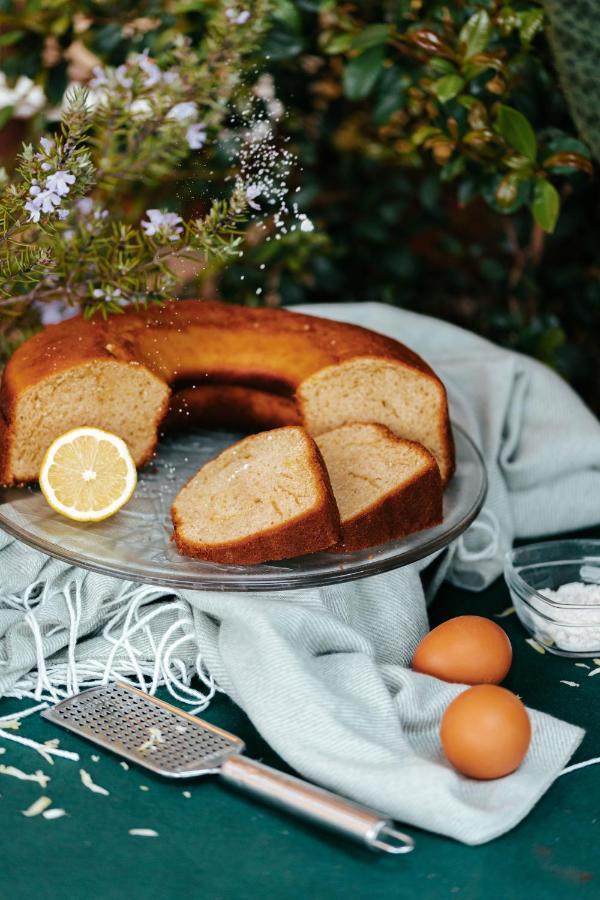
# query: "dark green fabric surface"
[[219, 844]]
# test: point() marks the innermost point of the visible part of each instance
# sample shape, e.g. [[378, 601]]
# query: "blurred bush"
[[438, 159], [436, 146]]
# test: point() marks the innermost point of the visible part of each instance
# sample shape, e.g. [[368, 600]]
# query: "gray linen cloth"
[[324, 673]]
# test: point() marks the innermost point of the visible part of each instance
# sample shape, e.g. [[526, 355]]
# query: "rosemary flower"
[[162, 225], [196, 136]]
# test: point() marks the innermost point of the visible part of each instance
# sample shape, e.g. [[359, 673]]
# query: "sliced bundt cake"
[[116, 374], [385, 487], [267, 497]]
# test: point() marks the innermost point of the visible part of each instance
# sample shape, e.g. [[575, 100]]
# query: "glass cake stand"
[[136, 543]]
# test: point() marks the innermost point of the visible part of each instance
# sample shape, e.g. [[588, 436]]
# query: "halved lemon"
[[88, 474]]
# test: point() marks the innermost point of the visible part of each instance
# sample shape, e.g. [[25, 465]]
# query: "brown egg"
[[465, 650], [485, 732]]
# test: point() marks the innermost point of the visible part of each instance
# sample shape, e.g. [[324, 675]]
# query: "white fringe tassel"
[[131, 614]]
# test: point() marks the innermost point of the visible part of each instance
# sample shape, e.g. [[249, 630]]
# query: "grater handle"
[[316, 805]]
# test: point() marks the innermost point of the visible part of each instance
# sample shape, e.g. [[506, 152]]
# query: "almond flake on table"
[[86, 780], [593, 672], [569, 683], [124, 766], [143, 832], [38, 776], [533, 643], [505, 612], [582, 665], [54, 813], [37, 807]]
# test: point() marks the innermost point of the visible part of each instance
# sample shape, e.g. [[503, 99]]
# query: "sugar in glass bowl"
[[555, 589]]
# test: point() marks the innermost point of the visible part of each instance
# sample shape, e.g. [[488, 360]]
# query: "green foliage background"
[[438, 159]]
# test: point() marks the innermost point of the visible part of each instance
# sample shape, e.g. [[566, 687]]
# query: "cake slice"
[[409, 399], [267, 497], [385, 487]]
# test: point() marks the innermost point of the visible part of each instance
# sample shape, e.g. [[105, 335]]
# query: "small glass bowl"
[[567, 629]]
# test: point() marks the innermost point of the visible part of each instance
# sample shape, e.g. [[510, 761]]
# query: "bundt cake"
[[385, 487], [267, 497], [116, 374]]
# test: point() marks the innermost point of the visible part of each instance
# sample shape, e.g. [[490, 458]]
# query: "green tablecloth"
[[219, 844]]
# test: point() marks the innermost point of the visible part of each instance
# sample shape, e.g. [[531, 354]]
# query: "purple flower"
[[42, 202], [33, 208], [60, 182], [151, 71], [85, 205], [195, 136], [165, 225], [54, 311], [122, 78], [47, 144], [48, 201], [100, 78], [183, 111], [237, 18]]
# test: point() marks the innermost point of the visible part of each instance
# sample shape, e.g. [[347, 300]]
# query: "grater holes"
[[153, 736]]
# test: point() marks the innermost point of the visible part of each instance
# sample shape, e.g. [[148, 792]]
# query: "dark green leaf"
[[11, 37], [530, 23], [452, 169], [442, 66], [561, 143], [545, 205], [286, 12], [390, 95], [56, 83], [423, 132], [516, 130], [282, 44], [371, 36], [362, 72], [106, 39], [448, 87], [475, 34], [489, 190], [6, 115], [339, 44]]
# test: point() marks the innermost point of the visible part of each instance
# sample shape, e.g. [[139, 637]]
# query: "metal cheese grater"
[[175, 744]]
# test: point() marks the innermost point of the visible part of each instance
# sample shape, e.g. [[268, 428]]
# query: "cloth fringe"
[[148, 664]]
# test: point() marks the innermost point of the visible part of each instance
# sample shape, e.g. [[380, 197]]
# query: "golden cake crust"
[[206, 342], [316, 529], [415, 504]]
